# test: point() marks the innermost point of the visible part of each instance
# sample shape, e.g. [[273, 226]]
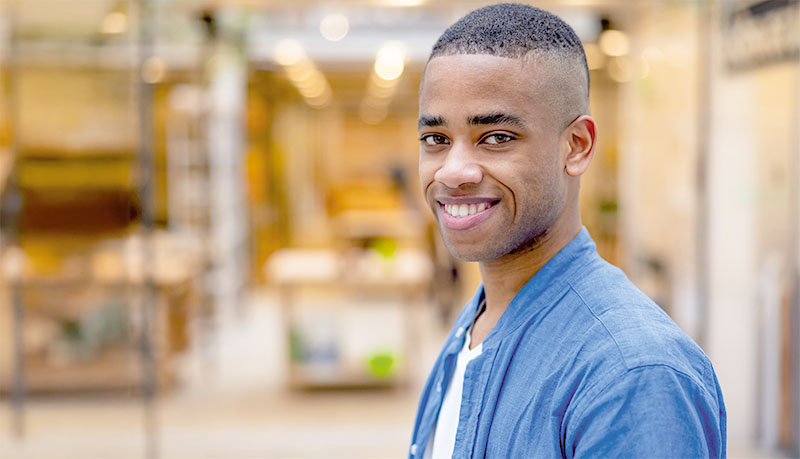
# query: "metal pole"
[[145, 190]]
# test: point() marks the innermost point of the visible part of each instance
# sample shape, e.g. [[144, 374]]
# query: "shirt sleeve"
[[651, 411]]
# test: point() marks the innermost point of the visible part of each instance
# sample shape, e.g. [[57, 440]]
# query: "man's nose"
[[459, 168]]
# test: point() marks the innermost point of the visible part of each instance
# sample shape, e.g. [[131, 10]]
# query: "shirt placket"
[[476, 378], [440, 385]]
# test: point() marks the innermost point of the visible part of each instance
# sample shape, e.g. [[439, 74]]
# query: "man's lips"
[[464, 199], [463, 212]]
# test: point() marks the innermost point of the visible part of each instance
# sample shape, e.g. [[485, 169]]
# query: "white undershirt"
[[443, 438]]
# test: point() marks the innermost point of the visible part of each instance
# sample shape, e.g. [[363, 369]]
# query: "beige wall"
[[752, 136], [658, 143], [753, 139]]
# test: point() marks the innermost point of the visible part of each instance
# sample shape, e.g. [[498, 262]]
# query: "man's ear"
[[581, 137]]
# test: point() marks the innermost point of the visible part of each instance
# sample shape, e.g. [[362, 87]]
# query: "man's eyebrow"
[[496, 118], [430, 121]]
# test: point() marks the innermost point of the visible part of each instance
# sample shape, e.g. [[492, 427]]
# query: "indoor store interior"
[[213, 241]]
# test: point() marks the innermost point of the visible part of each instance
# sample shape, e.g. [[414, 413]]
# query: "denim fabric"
[[581, 364]]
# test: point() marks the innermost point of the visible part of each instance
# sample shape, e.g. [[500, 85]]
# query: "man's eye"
[[497, 139], [434, 139]]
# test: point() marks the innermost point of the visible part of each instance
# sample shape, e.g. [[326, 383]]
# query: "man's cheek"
[[425, 177]]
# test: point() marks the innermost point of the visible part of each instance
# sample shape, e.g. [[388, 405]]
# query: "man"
[[557, 354]]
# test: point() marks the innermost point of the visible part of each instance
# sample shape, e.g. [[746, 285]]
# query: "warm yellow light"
[[301, 70], [594, 57], [376, 80], [334, 27], [320, 102], [375, 102], [153, 70], [389, 63], [316, 88], [303, 74], [372, 114], [381, 92], [289, 52], [115, 22], [314, 79], [614, 43]]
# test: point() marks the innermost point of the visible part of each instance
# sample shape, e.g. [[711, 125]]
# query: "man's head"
[[520, 31], [504, 131]]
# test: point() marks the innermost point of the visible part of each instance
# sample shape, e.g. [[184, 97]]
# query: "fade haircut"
[[518, 31]]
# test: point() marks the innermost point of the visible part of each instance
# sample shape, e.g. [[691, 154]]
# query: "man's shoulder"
[[630, 330]]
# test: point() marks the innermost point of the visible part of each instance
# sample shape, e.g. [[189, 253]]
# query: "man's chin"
[[471, 252]]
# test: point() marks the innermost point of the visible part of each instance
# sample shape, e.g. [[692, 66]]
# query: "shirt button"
[[460, 332], [414, 449], [439, 387]]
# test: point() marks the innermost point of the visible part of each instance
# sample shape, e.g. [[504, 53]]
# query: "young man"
[[558, 354]]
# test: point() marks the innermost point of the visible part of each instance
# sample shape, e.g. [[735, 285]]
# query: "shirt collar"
[[552, 277], [463, 321]]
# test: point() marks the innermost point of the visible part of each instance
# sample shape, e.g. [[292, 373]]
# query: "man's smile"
[[464, 212]]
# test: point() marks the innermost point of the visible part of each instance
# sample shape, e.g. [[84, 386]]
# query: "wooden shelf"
[[313, 376], [362, 282], [114, 366], [117, 370]]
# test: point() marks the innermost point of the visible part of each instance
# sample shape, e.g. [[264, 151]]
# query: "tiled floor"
[[309, 425]]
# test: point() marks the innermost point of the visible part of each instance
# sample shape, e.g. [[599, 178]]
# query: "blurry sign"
[[763, 33]]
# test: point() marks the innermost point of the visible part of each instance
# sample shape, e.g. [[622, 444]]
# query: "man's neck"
[[504, 277]]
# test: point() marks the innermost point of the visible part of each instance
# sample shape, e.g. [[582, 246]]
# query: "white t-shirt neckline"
[[443, 438]]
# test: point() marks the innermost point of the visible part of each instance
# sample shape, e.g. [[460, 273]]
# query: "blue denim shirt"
[[581, 363]]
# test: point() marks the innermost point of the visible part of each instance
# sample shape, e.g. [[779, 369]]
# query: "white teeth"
[[464, 210]]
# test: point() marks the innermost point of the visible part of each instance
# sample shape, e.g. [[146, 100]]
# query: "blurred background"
[[213, 243]]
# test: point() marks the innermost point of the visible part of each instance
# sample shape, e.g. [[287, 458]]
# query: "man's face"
[[491, 158]]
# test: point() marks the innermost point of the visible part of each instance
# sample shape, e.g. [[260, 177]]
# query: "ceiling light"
[[614, 43], [289, 52], [334, 27], [389, 63], [115, 22]]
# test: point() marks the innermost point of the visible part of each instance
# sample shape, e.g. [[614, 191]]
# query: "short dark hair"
[[514, 30]]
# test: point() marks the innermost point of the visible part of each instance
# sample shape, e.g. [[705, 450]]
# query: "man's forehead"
[[468, 77], [534, 62], [457, 87]]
